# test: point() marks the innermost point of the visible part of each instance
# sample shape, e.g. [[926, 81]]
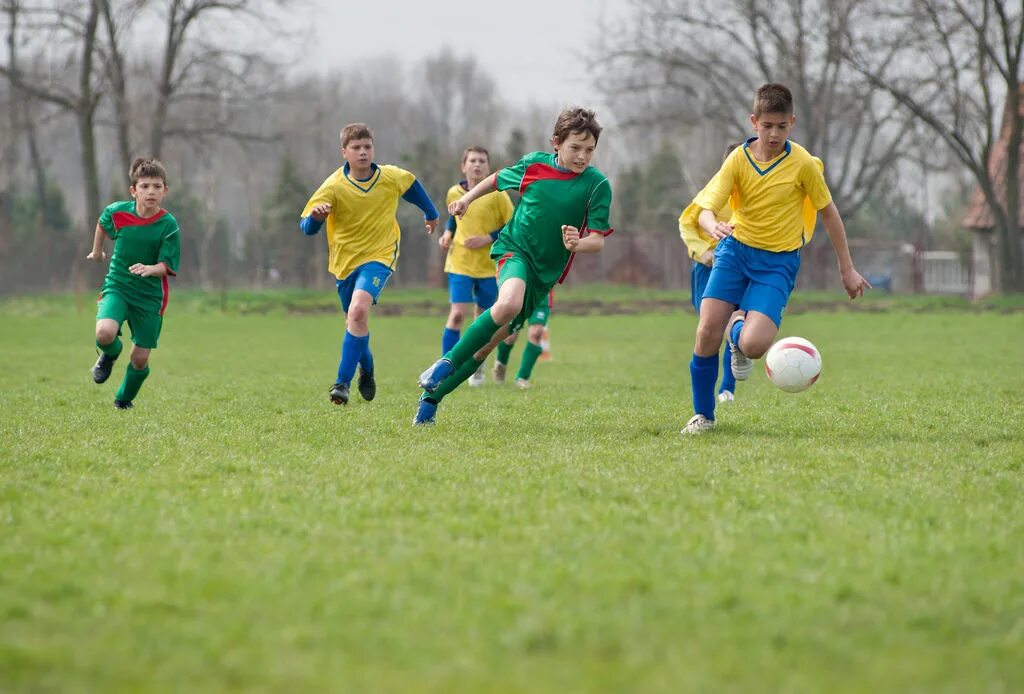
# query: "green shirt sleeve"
[[170, 250], [512, 176], [107, 220], [599, 207]]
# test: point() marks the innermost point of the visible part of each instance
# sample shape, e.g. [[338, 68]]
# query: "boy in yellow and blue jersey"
[[468, 241], [358, 202], [771, 183], [701, 249]]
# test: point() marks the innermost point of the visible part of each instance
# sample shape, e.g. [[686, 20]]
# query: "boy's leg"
[[460, 296], [485, 293], [111, 312], [134, 376], [714, 314], [752, 329], [502, 357], [728, 380], [358, 294], [533, 349]]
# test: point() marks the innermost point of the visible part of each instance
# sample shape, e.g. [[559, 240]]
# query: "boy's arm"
[[488, 185], [417, 195], [591, 243], [700, 248], [167, 261], [317, 208], [97, 252], [852, 281]]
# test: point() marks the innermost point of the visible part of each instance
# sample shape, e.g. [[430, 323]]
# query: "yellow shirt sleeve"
[[696, 239], [719, 190], [325, 193], [817, 197], [398, 177]]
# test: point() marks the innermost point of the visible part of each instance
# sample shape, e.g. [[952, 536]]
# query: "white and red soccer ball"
[[793, 364]]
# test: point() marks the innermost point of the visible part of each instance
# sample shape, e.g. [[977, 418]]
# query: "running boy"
[[563, 211], [768, 180], [147, 248], [535, 326], [359, 201], [468, 242]]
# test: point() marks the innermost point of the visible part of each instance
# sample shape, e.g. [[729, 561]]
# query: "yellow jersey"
[[486, 214], [361, 227], [696, 239], [775, 203]]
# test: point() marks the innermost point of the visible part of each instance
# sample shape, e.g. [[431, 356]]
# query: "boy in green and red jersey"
[[147, 248], [563, 210]]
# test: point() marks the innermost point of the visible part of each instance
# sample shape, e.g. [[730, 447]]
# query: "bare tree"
[[686, 62], [950, 63], [458, 100]]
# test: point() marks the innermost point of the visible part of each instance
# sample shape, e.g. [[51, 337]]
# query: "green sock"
[[504, 352], [113, 349], [475, 337], [530, 355], [457, 378], [132, 382]]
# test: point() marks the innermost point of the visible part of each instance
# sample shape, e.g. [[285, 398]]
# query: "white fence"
[[943, 272]]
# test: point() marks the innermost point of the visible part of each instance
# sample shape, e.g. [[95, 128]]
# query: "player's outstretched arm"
[[854, 284], [311, 223], [712, 226], [591, 243], [488, 185], [97, 252]]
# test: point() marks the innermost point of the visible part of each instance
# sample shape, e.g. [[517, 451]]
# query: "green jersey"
[[148, 241], [551, 196]]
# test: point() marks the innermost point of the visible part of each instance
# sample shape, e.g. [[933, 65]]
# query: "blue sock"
[[351, 352], [728, 380], [703, 375], [734, 334], [366, 361], [448, 340]]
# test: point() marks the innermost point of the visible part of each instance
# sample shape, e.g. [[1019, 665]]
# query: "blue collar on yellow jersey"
[[360, 183], [788, 147]]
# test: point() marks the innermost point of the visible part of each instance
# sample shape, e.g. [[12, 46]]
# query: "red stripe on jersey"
[[501, 262], [796, 345], [543, 172], [166, 286], [603, 232], [127, 219]]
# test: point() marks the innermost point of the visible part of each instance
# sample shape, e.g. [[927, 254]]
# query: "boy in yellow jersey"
[[468, 242], [771, 183], [359, 202], [701, 248]]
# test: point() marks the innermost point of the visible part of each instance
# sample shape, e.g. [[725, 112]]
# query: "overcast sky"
[[531, 47]]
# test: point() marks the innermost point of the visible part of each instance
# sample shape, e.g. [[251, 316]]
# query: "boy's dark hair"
[[773, 98], [475, 148], [355, 131], [146, 167], [576, 120], [729, 148]]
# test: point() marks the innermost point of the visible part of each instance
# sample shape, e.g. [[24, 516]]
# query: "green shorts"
[[145, 324], [536, 296], [540, 316]]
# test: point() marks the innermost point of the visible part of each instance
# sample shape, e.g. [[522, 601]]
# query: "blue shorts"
[[370, 277], [463, 289], [753, 279], [699, 274]]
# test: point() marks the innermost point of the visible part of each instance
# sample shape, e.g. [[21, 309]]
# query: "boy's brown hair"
[[576, 120], [476, 148], [146, 167], [773, 98], [355, 131]]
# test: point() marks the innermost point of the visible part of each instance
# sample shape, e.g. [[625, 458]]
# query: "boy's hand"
[[431, 224], [721, 230], [477, 241], [854, 283], [320, 211], [570, 237], [98, 256], [707, 258], [445, 240], [144, 270], [458, 208]]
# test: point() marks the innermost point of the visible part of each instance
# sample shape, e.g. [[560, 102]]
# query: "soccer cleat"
[[102, 368], [726, 396], [367, 385], [740, 363], [339, 394], [498, 372], [425, 412], [522, 383], [123, 404], [477, 379], [432, 378], [698, 424]]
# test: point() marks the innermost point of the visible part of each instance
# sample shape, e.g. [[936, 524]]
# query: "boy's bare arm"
[[158, 270], [852, 280], [591, 243], [97, 252], [711, 225], [488, 185]]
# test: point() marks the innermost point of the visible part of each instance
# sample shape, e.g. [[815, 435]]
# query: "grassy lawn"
[[236, 532]]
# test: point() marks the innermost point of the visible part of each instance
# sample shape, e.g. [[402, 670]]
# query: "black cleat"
[[339, 394], [123, 404], [367, 385], [102, 368]]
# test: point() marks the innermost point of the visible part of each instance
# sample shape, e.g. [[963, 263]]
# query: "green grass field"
[[236, 532]]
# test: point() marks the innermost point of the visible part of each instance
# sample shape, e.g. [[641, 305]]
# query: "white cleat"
[[498, 372], [726, 396], [698, 424], [741, 364], [522, 383], [477, 379]]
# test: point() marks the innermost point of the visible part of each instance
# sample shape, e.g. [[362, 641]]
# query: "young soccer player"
[[468, 242], [702, 252], [534, 334], [563, 211], [359, 201], [147, 248], [775, 187]]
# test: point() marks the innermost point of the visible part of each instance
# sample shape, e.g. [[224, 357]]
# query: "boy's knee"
[[358, 316], [535, 334], [105, 334], [505, 309], [709, 338], [140, 360], [456, 317], [754, 348]]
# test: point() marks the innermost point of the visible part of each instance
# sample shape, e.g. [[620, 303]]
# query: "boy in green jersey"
[[563, 210], [147, 248]]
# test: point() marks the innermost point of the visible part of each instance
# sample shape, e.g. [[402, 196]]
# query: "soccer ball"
[[793, 364]]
